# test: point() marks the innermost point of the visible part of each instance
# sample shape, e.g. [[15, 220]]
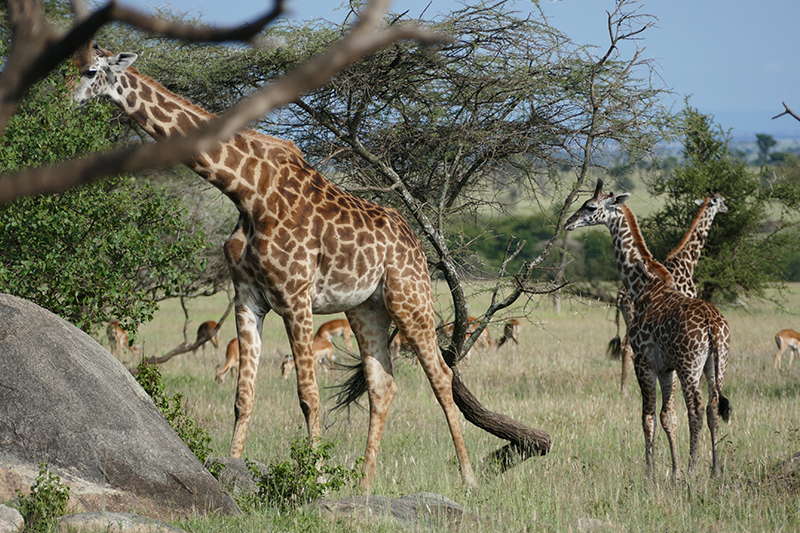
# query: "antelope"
[[204, 332], [484, 342], [117, 338], [787, 338], [323, 352], [333, 328], [511, 332], [231, 361]]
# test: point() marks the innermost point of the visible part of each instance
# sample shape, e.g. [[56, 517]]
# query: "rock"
[[409, 512], [113, 523], [10, 520], [65, 401], [234, 474]]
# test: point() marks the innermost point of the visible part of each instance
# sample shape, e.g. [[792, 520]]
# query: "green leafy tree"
[[743, 254], [765, 143], [108, 250]]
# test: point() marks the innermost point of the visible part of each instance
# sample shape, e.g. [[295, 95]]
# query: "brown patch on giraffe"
[[233, 159], [146, 93], [159, 115]]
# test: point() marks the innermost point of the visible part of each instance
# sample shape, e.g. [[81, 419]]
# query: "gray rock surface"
[[413, 512], [65, 401], [113, 523], [10, 520]]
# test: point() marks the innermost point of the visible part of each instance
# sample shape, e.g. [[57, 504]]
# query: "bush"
[[309, 476], [195, 437], [46, 502]]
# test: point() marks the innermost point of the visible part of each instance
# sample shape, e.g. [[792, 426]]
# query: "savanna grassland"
[[558, 379]]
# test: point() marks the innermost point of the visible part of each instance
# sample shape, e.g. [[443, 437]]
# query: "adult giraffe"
[[301, 246], [670, 333], [681, 263]]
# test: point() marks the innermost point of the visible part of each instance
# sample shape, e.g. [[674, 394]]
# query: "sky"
[[736, 59]]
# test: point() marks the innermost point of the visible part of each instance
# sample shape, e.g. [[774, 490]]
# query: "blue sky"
[[737, 59]]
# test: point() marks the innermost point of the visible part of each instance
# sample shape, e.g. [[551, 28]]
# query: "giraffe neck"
[[629, 249], [682, 261], [239, 167]]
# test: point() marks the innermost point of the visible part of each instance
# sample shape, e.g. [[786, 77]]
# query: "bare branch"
[[787, 111]]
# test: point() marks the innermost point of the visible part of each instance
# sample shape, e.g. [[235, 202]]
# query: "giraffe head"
[[716, 203], [598, 209], [98, 70]]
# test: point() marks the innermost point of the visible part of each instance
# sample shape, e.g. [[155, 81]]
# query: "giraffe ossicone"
[[301, 246], [670, 333]]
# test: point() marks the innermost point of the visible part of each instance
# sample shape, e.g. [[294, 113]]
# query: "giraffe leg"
[[370, 323], [669, 420], [647, 384], [299, 326], [694, 406], [627, 359], [248, 327]]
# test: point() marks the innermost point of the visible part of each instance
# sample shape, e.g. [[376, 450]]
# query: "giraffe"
[[670, 333], [301, 246], [680, 263]]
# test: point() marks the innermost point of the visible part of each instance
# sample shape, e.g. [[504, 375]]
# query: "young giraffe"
[[669, 333], [301, 246], [681, 263]]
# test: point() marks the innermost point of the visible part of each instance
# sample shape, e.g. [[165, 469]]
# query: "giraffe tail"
[[724, 406], [614, 350], [353, 387]]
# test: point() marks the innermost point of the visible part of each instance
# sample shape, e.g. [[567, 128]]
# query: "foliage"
[[744, 249], [108, 250], [47, 501], [308, 476], [174, 411]]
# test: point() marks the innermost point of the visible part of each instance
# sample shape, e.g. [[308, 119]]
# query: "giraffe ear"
[[699, 202], [619, 199], [121, 61]]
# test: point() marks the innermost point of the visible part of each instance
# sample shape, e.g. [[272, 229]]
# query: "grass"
[[559, 380]]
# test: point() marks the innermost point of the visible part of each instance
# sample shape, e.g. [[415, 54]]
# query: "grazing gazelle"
[[323, 351], [786, 339], [231, 361], [203, 332], [332, 328]]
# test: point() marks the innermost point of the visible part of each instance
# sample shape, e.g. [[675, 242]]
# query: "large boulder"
[[65, 401]]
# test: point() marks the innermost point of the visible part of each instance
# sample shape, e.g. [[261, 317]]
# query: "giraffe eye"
[[591, 208], [91, 73]]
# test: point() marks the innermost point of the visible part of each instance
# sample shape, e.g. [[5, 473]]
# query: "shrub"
[[46, 502], [308, 476]]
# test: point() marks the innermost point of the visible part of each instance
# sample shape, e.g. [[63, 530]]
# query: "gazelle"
[[511, 332], [787, 339], [336, 327], [231, 361], [323, 351], [203, 332], [117, 338], [485, 343]]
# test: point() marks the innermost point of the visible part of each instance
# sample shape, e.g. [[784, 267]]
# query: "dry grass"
[[559, 380]]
